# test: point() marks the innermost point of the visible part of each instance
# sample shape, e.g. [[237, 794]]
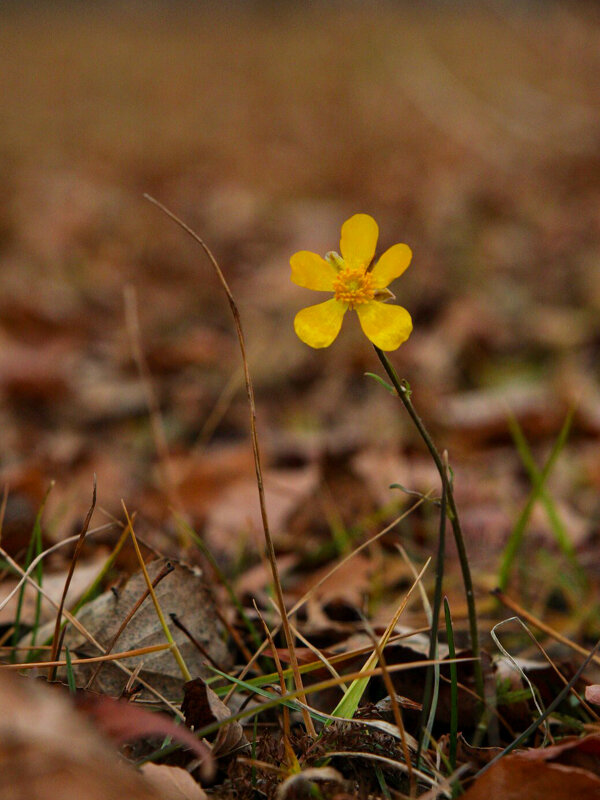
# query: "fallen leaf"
[[481, 415], [173, 782], [516, 777], [33, 374], [48, 750], [123, 722], [300, 782], [53, 585], [572, 751], [201, 706], [237, 512], [349, 583], [592, 694], [182, 592]]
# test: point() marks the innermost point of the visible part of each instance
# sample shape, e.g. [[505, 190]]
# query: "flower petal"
[[359, 240], [312, 271], [386, 326], [318, 325], [391, 265]]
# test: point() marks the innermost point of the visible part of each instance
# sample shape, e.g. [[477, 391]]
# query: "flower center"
[[353, 286]]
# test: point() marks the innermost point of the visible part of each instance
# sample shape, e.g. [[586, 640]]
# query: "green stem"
[[404, 395], [453, 691], [431, 691]]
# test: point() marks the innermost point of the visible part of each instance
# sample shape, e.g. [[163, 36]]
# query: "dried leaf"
[[173, 782], [47, 750], [123, 722], [592, 694], [237, 511], [53, 584], [573, 751], [516, 777], [183, 592], [299, 783], [201, 706]]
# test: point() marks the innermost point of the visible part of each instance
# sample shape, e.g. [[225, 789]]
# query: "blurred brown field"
[[469, 131]]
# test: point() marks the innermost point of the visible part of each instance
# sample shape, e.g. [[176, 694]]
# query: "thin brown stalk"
[[351, 698], [340, 658], [320, 686], [564, 680], [201, 649], [219, 409], [6, 636], [255, 448], [58, 637], [388, 762], [489, 707], [140, 651], [231, 630], [264, 765]]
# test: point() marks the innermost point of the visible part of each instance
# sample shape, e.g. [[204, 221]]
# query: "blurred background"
[[469, 131]]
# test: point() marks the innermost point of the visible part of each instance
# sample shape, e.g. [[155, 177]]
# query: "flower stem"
[[404, 395]]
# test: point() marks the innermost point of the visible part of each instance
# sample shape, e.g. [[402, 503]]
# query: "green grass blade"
[[33, 550], [432, 677], [556, 523], [385, 792], [539, 479], [70, 673], [349, 703], [453, 686], [252, 687]]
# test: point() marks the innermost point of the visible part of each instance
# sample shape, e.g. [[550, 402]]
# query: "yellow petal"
[[318, 325], [359, 240], [386, 326], [391, 265], [312, 272]]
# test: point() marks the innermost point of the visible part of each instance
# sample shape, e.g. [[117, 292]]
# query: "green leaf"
[[538, 491], [383, 383]]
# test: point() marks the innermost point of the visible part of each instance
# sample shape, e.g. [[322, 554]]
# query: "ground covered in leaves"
[[473, 135]]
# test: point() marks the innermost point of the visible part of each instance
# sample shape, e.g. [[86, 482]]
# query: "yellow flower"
[[355, 284]]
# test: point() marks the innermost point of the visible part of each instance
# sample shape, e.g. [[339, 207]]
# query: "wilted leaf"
[[201, 706], [237, 511], [182, 592], [49, 751], [173, 782], [574, 751], [592, 694], [516, 778], [53, 585], [123, 722], [301, 782]]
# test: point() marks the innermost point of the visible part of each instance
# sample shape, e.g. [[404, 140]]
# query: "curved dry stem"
[[255, 448]]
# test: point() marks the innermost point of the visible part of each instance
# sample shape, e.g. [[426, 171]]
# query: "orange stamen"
[[354, 287]]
